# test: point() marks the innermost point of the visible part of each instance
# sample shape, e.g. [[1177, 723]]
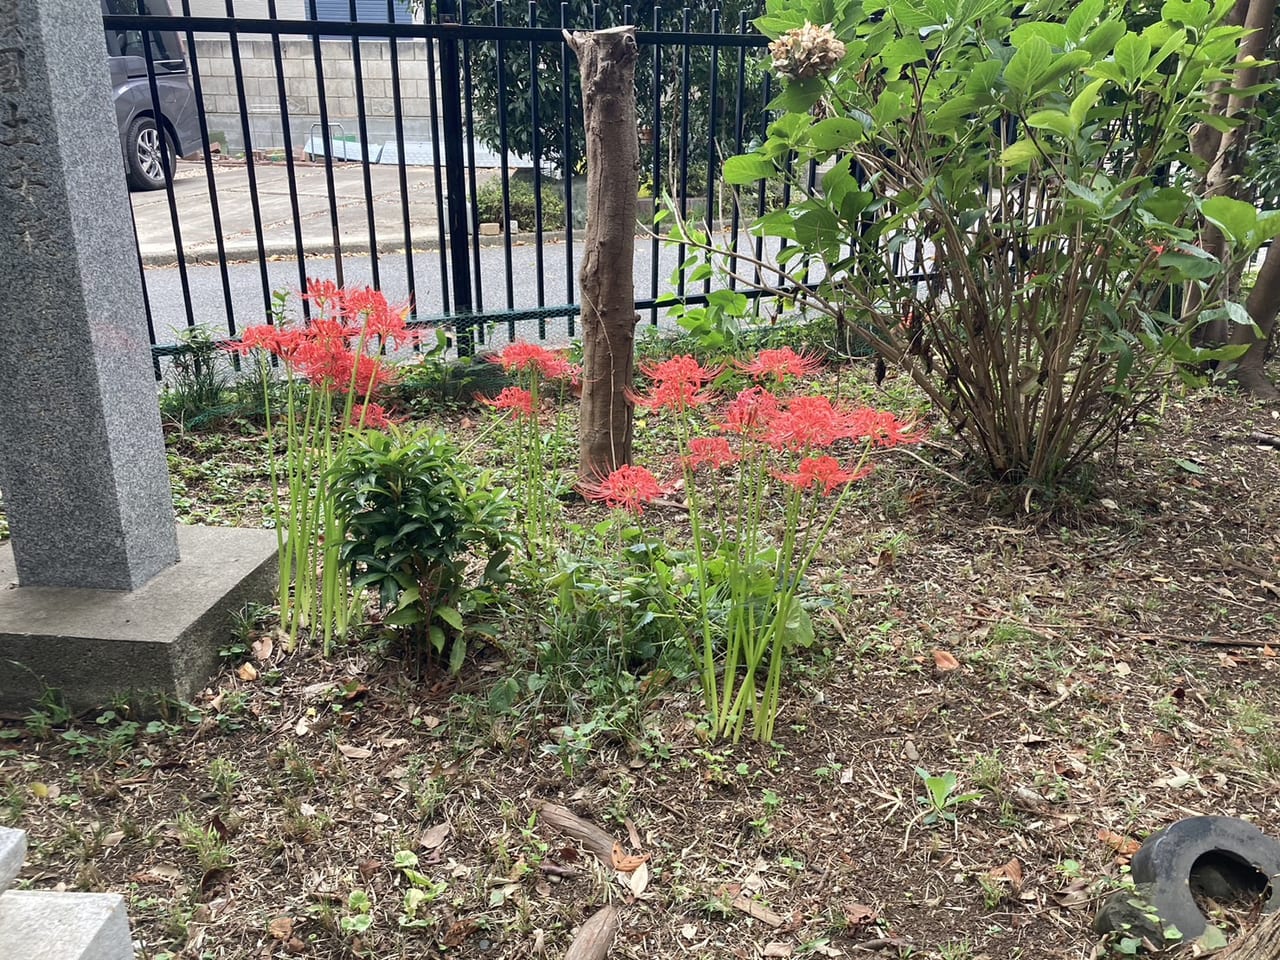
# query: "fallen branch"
[[563, 820], [1260, 943], [595, 937]]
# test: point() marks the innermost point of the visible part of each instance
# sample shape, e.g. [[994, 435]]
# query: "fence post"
[[455, 177]]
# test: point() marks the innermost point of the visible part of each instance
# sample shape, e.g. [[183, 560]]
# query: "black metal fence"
[[277, 192]]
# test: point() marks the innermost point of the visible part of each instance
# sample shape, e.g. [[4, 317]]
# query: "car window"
[[128, 43]]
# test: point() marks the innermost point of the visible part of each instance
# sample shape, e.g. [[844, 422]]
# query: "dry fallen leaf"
[[689, 931], [858, 914], [247, 672], [776, 949], [624, 862], [1011, 871], [262, 649], [945, 661], [435, 836], [1123, 846], [113, 838], [354, 753], [281, 928], [639, 879]]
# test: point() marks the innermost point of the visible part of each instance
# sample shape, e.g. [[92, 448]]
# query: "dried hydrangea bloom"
[[806, 52]]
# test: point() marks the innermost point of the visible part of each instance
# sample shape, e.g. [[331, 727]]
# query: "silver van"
[[150, 139]]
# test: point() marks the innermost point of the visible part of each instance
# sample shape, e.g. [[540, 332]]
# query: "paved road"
[[167, 301]]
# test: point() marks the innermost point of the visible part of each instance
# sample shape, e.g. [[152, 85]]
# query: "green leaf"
[[1103, 40], [450, 616], [1198, 470], [1082, 18], [437, 637], [1054, 120], [1132, 53], [1084, 101], [1190, 267], [836, 133], [1213, 938], [748, 168], [1030, 61], [899, 53], [403, 618], [798, 97], [457, 655], [1193, 13], [1019, 154], [1235, 218], [1055, 34]]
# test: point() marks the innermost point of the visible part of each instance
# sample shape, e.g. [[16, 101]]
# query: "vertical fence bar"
[[168, 164], [713, 148], [739, 123], [450, 76], [763, 185], [397, 105], [323, 102], [535, 112], [250, 171], [655, 249], [286, 135], [477, 275], [566, 163], [443, 216], [197, 87], [683, 176], [504, 146], [362, 124]]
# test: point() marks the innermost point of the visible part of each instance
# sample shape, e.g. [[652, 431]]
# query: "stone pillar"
[[82, 461]]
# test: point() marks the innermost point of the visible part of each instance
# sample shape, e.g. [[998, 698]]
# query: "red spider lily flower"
[[324, 294], [529, 357], [780, 363], [714, 452], [683, 370], [516, 399], [750, 411], [671, 395], [806, 423], [262, 336], [371, 415], [368, 308], [882, 428], [628, 487], [1157, 248], [824, 472]]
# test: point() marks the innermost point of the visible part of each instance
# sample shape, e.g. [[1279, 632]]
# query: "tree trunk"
[[1260, 943], [1263, 305], [608, 62]]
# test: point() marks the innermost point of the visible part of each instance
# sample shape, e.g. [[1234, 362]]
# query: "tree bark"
[[595, 937], [608, 62], [1260, 943], [1263, 305]]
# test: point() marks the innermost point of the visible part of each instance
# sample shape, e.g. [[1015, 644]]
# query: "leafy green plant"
[[414, 516], [940, 800], [522, 203], [331, 365], [359, 917], [1032, 162], [199, 378]]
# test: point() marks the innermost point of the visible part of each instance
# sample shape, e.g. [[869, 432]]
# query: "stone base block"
[[13, 852], [93, 646], [43, 925]]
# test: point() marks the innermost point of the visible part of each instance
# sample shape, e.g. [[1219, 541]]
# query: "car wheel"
[[149, 155]]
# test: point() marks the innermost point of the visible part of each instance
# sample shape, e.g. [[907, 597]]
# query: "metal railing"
[[300, 199]]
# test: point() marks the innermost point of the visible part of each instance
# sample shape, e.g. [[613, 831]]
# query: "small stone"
[[490, 229]]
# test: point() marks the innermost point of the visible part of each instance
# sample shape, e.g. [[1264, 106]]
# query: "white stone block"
[[43, 925], [13, 851]]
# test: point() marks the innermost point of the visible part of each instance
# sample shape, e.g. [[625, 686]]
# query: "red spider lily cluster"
[[516, 399], [521, 357], [803, 427], [628, 487], [329, 351], [780, 363]]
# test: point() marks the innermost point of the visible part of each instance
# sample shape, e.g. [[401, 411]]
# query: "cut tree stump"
[[1260, 943], [607, 59]]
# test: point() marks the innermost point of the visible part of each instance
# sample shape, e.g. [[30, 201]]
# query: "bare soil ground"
[[1090, 673]]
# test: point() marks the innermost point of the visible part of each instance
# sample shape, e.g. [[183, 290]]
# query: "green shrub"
[[523, 208], [416, 518]]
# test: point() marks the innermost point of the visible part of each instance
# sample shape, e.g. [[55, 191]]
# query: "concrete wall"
[[302, 92], [250, 9]]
